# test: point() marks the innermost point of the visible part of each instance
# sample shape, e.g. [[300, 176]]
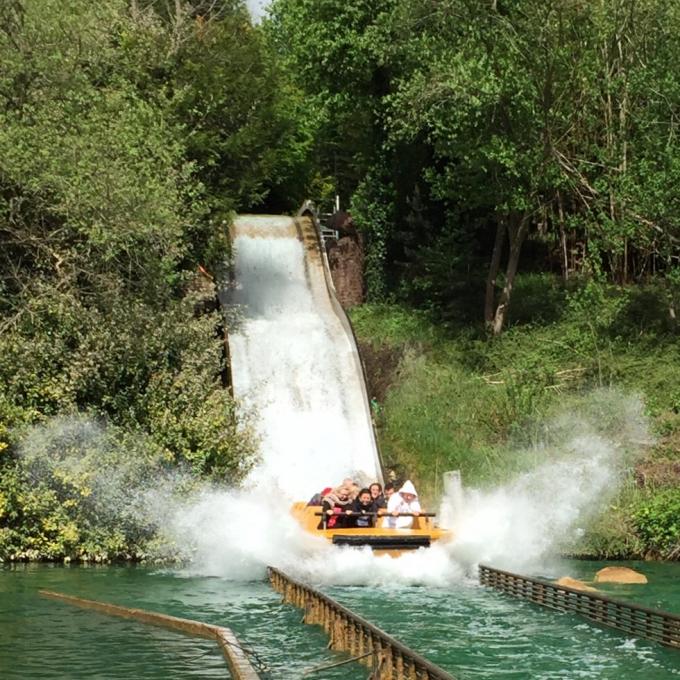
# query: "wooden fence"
[[641, 622], [388, 658]]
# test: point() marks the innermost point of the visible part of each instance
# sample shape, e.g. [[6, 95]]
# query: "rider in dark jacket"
[[363, 509]]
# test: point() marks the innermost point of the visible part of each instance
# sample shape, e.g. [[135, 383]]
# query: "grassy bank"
[[446, 397]]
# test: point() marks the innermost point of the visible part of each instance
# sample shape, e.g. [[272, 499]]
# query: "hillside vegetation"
[[448, 398], [126, 139]]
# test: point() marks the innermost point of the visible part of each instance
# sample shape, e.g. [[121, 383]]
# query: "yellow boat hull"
[[381, 540]]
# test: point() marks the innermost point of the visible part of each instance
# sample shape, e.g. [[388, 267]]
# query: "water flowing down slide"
[[294, 359]]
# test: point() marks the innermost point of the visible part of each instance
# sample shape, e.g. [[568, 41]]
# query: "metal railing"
[[642, 622], [355, 514], [388, 658]]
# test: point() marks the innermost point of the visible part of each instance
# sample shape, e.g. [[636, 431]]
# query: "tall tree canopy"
[[129, 130], [468, 127]]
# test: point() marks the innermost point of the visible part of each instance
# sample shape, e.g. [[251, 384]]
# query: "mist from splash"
[[235, 533], [110, 481], [577, 468]]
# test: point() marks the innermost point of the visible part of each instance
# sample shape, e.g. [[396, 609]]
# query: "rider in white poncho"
[[405, 500]]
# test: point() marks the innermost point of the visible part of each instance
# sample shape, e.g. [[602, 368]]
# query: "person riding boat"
[[317, 498], [377, 496], [363, 509], [405, 500], [334, 506]]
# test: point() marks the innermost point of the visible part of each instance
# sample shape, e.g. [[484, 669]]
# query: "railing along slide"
[[388, 658], [641, 622]]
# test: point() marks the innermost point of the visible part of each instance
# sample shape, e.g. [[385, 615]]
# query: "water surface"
[[469, 630]]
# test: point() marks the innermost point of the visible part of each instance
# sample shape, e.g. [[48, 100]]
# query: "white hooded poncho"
[[398, 504]]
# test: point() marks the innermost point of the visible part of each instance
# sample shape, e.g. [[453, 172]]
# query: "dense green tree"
[[504, 122], [108, 202]]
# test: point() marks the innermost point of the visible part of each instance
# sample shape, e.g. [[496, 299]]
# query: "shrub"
[[657, 522]]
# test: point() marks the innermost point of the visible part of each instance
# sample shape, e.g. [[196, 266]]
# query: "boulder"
[[619, 575], [346, 260], [573, 583]]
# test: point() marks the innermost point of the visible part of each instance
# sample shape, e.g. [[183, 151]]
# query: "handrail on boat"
[[378, 514], [356, 513]]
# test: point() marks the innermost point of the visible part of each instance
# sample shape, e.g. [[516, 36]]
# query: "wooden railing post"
[[388, 659]]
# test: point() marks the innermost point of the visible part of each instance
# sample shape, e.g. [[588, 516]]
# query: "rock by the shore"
[[573, 583], [619, 575]]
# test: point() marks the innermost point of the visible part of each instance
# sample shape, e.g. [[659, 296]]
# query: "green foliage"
[[227, 94], [371, 205], [95, 186], [77, 490], [118, 169], [557, 117], [155, 375], [657, 522], [611, 535], [334, 52], [460, 401]]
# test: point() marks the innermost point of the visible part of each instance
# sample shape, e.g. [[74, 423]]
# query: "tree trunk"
[[495, 265], [563, 238], [517, 235]]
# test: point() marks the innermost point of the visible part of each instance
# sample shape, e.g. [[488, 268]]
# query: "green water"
[[474, 632], [43, 638], [469, 630], [662, 591]]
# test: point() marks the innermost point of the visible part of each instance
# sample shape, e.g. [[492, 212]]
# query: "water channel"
[[470, 631]]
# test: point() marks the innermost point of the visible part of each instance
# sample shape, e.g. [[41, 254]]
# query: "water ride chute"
[[294, 359]]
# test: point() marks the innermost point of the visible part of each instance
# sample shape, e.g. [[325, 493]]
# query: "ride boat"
[[384, 540]]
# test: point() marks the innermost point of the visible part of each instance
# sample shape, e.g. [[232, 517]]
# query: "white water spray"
[[584, 457], [235, 534], [516, 526], [295, 362]]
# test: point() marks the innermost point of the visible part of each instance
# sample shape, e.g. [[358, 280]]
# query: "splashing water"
[[515, 525], [584, 458], [111, 482], [235, 534]]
